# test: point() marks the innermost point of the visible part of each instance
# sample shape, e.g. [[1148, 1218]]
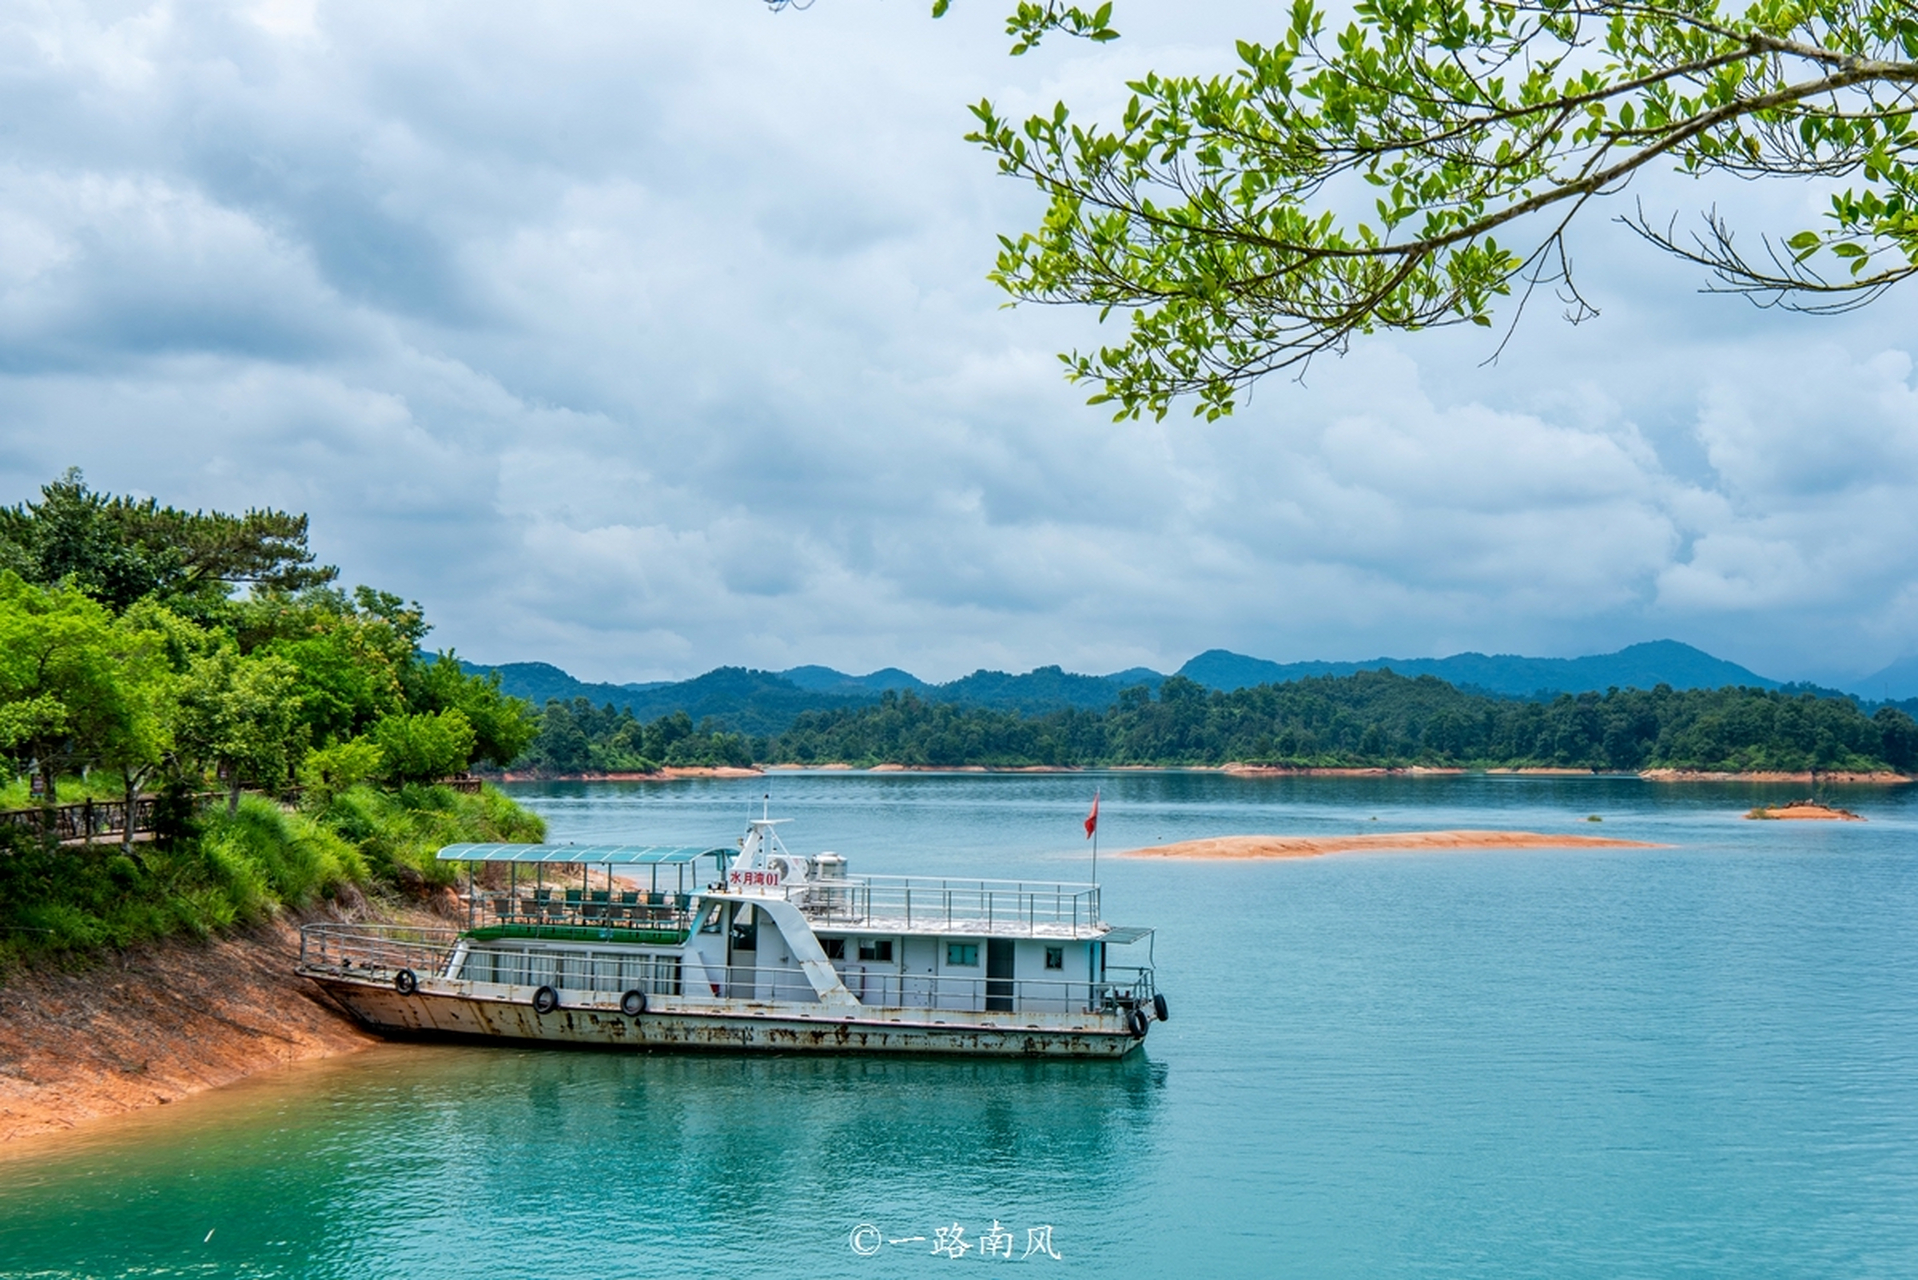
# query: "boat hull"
[[735, 1026]]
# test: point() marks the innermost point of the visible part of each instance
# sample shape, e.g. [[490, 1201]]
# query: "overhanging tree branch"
[[1225, 214]]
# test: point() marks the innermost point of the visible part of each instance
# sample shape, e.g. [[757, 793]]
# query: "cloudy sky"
[[643, 337]]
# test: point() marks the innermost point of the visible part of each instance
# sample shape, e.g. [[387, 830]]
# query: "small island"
[[1803, 811]]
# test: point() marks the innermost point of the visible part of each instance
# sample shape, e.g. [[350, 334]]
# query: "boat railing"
[[978, 906], [443, 960], [375, 951], [887, 988], [639, 910]]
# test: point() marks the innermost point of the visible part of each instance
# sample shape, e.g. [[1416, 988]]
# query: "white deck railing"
[[1017, 907]]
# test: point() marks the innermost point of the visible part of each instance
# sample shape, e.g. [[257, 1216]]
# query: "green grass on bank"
[[399, 832], [17, 793], [221, 871]]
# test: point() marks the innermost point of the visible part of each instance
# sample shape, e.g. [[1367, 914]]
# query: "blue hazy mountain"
[[758, 702], [539, 682], [764, 702], [826, 680], [1638, 666], [1899, 681]]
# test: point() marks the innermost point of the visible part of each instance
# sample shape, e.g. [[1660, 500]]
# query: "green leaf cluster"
[[1419, 164]]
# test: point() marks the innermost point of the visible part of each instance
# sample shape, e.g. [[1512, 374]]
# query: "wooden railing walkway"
[[89, 820]]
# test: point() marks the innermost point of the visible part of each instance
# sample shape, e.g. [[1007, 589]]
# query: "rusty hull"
[[680, 1023]]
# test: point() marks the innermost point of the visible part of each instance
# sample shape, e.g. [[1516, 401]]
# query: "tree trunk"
[[126, 822], [47, 832], [233, 794]]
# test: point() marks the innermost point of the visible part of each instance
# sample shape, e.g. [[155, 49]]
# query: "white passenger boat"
[[622, 946]]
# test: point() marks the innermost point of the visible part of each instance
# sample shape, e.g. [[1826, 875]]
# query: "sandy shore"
[[1238, 770], [1376, 841], [970, 768], [1699, 775], [150, 1026]]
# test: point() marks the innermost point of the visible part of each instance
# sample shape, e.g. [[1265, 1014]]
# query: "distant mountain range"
[[1899, 680], [765, 702], [1639, 666]]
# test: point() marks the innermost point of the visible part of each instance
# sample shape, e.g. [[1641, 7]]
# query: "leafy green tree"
[[139, 743], [119, 549], [327, 771], [422, 748], [503, 727], [561, 746], [1899, 733], [1417, 165], [239, 713], [71, 682]]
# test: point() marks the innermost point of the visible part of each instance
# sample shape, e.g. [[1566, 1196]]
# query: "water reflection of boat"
[[778, 951]]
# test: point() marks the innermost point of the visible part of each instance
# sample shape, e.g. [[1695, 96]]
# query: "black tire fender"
[[1136, 1022], [1160, 1009], [406, 982], [633, 1003], [545, 1000]]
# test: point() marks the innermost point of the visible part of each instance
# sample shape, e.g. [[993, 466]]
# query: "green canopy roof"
[[598, 855]]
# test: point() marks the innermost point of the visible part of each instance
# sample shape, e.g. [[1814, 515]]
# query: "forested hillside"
[[1367, 719], [1377, 718]]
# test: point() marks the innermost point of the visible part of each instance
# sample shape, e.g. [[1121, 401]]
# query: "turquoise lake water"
[[1692, 1061]]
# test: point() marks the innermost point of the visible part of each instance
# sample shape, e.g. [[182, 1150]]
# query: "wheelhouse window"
[[879, 949], [963, 954], [1055, 957], [835, 948]]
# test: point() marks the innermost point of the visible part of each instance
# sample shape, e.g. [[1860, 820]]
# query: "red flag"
[[1092, 819]]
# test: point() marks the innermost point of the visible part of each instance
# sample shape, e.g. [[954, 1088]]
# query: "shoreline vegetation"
[[1231, 768], [1369, 723]]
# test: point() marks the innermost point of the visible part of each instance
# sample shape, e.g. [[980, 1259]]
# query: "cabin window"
[[1055, 957], [879, 949], [835, 948], [965, 954]]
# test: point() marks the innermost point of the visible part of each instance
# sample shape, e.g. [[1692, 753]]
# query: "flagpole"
[[1092, 833]]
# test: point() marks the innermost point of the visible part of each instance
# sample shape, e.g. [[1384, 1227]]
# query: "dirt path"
[[1379, 841], [150, 1026]]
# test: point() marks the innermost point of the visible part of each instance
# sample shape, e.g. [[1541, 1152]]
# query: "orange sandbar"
[[1808, 809], [1395, 841]]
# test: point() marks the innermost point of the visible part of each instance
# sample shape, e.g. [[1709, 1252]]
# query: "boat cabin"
[[759, 924]]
